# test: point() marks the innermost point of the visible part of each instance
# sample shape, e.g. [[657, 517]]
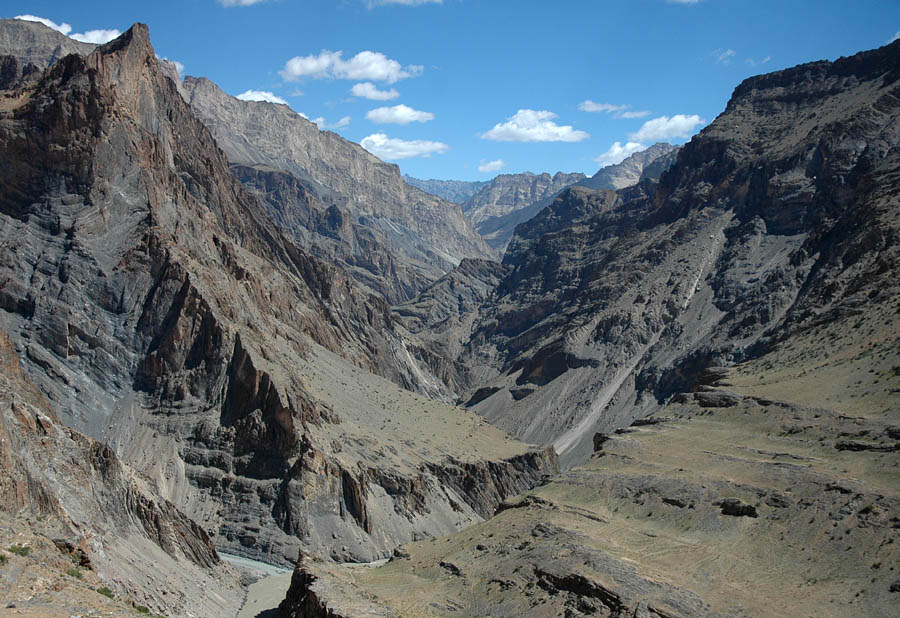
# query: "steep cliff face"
[[509, 199], [509, 192], [512, 199], [458, 191], [402, 237], [780, 215], [36, 44], [649, 163], [152, 299], [75, 492]]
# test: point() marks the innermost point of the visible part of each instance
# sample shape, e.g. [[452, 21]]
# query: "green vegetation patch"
[[19, 550]]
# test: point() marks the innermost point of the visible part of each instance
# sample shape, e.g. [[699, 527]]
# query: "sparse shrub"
[[106, 592], [76, 573], [19, 550], [142, 609], [3, 559]]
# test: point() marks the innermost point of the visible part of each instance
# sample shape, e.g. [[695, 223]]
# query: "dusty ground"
[[48, 582], [775, 491]]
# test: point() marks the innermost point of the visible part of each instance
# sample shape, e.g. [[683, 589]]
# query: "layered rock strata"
[[160, 309]]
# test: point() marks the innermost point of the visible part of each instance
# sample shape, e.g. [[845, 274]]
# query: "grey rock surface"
[[509, 199], [161, 311], [779, 215], [458, 191], [78, 493], [400, 232], [648, 163]]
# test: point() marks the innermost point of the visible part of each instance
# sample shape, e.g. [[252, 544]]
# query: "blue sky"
[[466, 89]]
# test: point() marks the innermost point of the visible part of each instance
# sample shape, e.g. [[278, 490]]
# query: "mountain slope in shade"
[[74, 493], [149, 295], [397, 238], [494, 206], [780, 215], [457, 191], [512, 199]]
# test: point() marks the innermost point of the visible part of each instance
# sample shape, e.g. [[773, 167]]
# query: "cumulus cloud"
[[324, 124], [63, 27], [368, 90], [491, 166], [723, 56], [239, 2], [618, 153], [391, 149], [619, 111], [398, 114], [97, 37], [664, 128], [528, 125], [261, 95], [366, 65], [756, 63]]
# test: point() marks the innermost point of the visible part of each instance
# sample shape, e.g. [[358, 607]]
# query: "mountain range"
[[227, 330]]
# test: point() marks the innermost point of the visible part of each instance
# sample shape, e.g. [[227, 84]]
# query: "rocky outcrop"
[[776, 218], [440, 319], [458, 191], [35, 44], [397, 238], [509, 199], [512, 199], [161, 311], [706, 511], [77, 492], [649, 163], [509, 192]]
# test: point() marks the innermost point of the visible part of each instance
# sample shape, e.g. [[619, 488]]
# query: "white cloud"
[[590, 106], [723, 56], [261, 95], [323, 124], [528, 125], [894, 38], [367, 65], [390, 149], [491, 166], [618, 110], [756, 63], [63, 27], [618, 153], [368, 90], [372, 3], [239, 2], [398, 114], [684, 1], [664, 128], [97, 37]]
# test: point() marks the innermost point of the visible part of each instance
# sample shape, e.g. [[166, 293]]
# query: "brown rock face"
[[396, 238], [84, 497], [162, 311]]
